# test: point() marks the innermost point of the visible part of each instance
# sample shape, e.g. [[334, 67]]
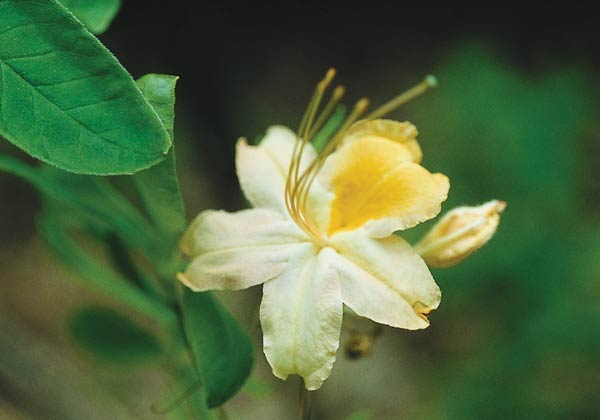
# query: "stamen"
[[302, 139], [311, 109], [336, 96], [305, 134], [300, 180], [428, 83], [301, 129], [359, 108], [298, 184], [305, 182]]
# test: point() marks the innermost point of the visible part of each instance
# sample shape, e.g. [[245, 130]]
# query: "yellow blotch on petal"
[[459, 233], [375, 177], [400, 132]]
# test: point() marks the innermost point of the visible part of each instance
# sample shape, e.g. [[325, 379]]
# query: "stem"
[[200, 403], [178, 401], [223, 413], [100, 277], [305, 402], [124, 263]]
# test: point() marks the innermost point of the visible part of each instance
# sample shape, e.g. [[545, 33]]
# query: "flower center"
[[299, 181]]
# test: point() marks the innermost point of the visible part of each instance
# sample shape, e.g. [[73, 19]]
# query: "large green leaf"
[[222, 350], [111, 337], [96, 15], [66, 100], [158, 186]]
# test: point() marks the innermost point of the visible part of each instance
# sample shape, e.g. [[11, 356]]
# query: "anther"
[[323, 84], [362, 105], [338, 92]]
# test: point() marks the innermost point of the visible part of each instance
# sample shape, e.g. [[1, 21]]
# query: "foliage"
[[213, 333], [111, 337], [67, 101]]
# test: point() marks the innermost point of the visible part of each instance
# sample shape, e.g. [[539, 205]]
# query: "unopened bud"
[[459, 233], [361, 344]]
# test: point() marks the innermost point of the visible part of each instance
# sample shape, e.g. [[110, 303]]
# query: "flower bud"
[[360, 344], [459, 233]]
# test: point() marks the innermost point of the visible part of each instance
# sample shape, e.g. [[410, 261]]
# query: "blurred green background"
[[515, 118]]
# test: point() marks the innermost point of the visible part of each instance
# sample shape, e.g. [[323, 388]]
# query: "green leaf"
[[66, 100], [96, 15], [158, 186], [111, 337], [92, 272], [89, 198], [222, 350], [159, 91]]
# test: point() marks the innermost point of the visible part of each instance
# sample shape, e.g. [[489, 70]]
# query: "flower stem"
[[305, 402]]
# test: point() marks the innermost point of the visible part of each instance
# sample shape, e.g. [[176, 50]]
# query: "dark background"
[[244, 65]]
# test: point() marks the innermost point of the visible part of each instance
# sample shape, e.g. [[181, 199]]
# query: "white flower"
[[320, 235]]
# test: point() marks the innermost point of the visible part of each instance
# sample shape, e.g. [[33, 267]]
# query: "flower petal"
[[375, 183], [401, 132], [262, 170], [238, 250], [301, 317], [384, 279]]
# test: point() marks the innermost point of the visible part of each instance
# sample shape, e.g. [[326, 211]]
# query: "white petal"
[[301, 317], [262, 170], [384, 279], [238, 250]]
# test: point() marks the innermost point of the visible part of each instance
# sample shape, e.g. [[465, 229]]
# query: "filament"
[[302, 139], [429, 82], [311, 172], [336, 96], [298, 184]]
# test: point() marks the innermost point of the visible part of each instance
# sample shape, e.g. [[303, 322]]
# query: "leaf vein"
[[79, 122], [23, 25], [30, 56], [79, 107], [75, 79]]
